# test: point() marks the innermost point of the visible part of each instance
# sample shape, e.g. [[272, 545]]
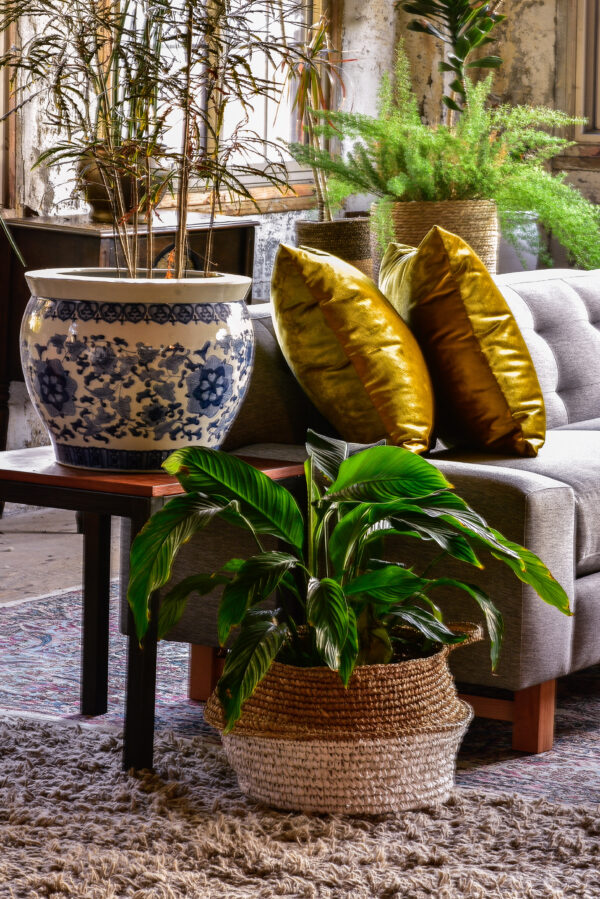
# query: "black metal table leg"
[[96, 601], [138, 731]]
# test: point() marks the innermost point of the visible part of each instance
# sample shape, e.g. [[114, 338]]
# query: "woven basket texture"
[[380, 701], [385, 743], [362, 777], [348, 239], [476, 221]]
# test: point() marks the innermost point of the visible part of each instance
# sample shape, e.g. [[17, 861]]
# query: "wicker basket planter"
[[385, 744], [349, 239], [476, 221]]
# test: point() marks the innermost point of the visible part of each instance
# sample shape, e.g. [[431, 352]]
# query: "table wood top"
[[38, 466]]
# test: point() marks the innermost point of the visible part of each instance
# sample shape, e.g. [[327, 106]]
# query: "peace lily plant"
[[336, 600]]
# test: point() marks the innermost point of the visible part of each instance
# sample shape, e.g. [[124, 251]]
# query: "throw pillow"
[[487, 391], [350, 350]]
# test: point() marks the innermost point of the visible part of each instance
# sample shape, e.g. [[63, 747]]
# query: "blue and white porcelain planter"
[[123, 371]]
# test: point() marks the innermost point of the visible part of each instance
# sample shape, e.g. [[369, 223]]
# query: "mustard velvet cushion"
[[487, 391], [351, 352]]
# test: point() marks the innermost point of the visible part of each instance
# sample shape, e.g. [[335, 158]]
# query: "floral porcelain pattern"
[[121, 385]]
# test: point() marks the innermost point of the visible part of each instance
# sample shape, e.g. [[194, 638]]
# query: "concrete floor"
[[41, 552]]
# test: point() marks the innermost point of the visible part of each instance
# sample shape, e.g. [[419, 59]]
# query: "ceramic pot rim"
[[103, 283]]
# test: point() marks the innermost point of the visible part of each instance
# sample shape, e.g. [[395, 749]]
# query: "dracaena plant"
[[336, 600], [463, 26]]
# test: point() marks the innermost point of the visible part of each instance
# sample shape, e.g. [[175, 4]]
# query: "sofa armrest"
[[539, 513]]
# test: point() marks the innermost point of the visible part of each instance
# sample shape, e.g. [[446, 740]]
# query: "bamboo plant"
[[145, 89]]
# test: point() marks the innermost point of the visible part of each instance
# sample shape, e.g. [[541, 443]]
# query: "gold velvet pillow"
[[487, 391], [350, 351]]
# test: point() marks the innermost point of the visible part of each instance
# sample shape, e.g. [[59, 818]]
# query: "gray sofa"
[[551, 504]]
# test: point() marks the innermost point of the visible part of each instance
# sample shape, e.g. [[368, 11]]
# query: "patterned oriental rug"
[[39, 674], [72, 824]]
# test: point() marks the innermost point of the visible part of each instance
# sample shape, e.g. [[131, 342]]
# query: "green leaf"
[[349, 651], [269, 507], [174, 603], [327, 453], [313, 520], [451, 104], [486, 62], [385, 473], [467, 525], [388, 584], [155, 547], [233, 565], [426, 623], [327, 612], [255, 581], [530, 569], [257, 645], [493, 618], [12, 242], [375, 645], [344, 537]]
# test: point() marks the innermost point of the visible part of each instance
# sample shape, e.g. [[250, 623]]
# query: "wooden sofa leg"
[[205, 670], [533, 718]]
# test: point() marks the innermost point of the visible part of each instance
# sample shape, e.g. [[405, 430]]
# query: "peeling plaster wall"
[[45, 191], [528, 47]]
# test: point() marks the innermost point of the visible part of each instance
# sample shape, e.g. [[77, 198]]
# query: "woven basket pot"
[[476, 221], [386, 743], [348, 239]]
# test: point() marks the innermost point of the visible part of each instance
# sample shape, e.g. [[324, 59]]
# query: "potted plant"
[[457, 173], [126, 365], [337, 696], [314, 79]]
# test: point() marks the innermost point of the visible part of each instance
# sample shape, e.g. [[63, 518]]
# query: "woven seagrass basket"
[[349, 239], [476, 221], [386, 743]]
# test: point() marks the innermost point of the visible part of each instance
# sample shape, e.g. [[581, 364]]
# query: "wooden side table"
[[51, 242], [32, 477]]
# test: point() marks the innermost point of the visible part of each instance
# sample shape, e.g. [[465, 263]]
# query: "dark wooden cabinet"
[[53, 242]]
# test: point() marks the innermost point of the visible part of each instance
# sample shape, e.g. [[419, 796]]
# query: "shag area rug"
[[40, 657], [72, 824]]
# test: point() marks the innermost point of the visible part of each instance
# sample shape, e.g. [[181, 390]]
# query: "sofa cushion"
[[572, 457], [350, 350], [487, 392], [558, 312], [593, 424]]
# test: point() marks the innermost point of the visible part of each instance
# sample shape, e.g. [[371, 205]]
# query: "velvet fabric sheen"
[[487, 391], [351, 352]]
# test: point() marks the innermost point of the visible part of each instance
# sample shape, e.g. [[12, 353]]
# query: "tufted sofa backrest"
[[558, 312]]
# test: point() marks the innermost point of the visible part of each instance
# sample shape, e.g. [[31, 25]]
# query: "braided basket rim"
[[414, 696]]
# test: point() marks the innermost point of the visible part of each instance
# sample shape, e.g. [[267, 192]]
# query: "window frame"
[[587, 44]]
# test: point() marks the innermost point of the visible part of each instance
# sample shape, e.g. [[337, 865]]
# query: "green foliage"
[[463, 26], [338, 602], [499, 153]]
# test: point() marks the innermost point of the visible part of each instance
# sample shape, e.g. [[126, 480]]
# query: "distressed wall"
[[535, 43]]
